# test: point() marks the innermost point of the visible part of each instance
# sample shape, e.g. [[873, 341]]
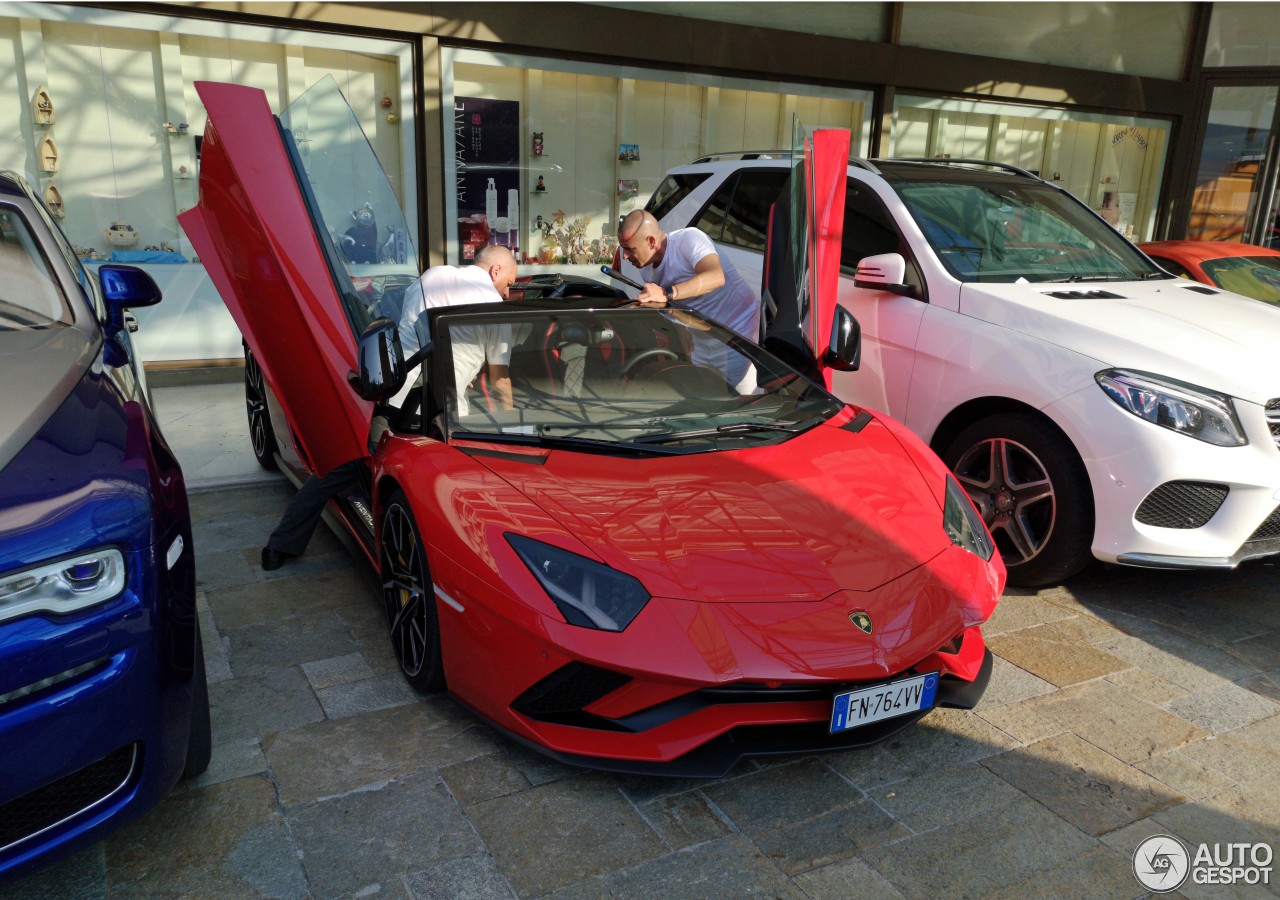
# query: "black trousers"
[[303, 513]]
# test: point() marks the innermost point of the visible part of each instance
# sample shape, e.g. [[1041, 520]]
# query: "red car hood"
[[828, 510]]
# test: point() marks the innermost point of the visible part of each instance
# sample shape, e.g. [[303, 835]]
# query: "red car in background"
[[1244, 269]]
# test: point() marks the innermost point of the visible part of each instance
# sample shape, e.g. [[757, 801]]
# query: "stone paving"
[[1122, 705]]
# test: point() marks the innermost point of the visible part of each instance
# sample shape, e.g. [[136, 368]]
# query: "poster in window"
[[487, 155]]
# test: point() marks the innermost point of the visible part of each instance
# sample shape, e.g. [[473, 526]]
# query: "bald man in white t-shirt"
[[487, 280], [683, 268]]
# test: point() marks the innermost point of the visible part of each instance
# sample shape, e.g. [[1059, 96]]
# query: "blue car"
[[103, 698]]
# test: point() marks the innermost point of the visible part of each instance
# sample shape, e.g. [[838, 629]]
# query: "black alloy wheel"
[[409, 598], [255, 400], [1032, 490]]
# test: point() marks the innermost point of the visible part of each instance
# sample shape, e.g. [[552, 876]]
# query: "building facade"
[[538, 124]]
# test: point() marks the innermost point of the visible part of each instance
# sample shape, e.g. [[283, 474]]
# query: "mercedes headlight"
[[1204, 415], [61, 587], [586, 592], [963, 524]]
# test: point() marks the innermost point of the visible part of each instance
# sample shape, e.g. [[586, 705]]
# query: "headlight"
[[963, 524], [65, 586], [1184, 408], [586, 593]]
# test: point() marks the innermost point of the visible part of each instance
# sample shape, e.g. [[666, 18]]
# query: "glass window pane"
[[1243, 34], [1235, 143], [595, 142], [29, 293], [711, 222], [1130, 38], [861, 21], [1112, 163], [748, 219]]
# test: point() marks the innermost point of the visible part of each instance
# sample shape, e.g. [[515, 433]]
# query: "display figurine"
[[360, 241], [541, 185], [537, 143]]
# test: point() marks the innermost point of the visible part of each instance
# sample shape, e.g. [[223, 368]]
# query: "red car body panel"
[[755, 559], [1192, 254], [266, 262], [826, 156]]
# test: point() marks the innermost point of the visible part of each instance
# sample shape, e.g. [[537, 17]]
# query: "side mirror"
[[124, 287], [380, 361], [844, 353], [884, 272]]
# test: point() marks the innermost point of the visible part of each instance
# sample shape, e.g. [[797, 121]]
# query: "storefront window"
[[1231, 200], [1126, 38], [107, 126], [548, 155], [1112, 163]]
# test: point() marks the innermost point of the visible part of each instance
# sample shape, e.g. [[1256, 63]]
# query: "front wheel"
[[409, 598], [255, 400], [1033, 492], [200, 734]]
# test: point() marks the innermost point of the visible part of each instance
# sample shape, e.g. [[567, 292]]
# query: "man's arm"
[[500, 382], [708, 275]]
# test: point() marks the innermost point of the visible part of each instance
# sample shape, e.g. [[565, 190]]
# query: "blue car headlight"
[[1202, 414], [963, 524], [586, 592], [65, 586]]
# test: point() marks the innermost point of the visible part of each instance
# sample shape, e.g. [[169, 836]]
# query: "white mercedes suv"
[[1092, 404]]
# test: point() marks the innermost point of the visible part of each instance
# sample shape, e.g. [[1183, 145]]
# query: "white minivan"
[[1092, 404]]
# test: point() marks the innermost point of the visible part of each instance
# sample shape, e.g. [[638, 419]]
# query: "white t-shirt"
[[734, 304], [442, 286], [472, 345]]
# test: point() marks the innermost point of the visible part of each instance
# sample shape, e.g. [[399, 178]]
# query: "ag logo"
[[862, 620], [1161, 863]]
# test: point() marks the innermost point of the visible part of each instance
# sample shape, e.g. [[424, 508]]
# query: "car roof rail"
[[944, 160], [774, 154]]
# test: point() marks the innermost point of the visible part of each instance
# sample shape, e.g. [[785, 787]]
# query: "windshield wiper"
[[1074, 279], [585, 445], [721, 430]]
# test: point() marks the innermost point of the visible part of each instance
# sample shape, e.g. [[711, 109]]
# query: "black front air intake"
[[562, 695], [94, 785], [1181, 504], [1269, 529]]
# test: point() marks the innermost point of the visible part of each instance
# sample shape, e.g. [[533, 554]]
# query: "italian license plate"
[[884, 701]]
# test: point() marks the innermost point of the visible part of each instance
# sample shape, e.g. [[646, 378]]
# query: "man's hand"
[[652, 295]]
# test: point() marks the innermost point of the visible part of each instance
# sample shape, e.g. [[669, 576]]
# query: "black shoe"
[[273, 559]]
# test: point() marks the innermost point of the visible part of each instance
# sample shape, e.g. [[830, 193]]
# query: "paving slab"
[[367, 837], [227, 840], [1055, 655], [727, 868], [1104, 715], [992, 850], [1084, 785], [469, 878], [556, 834], [335, 757]]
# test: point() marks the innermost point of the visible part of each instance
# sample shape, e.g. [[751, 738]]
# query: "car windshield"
[[1252, 276], [628, 380], [30, 297], [1005, 230]]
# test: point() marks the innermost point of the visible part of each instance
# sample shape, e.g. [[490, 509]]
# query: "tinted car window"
[[1252, 276], [29, 293], [869, 231], [747, 221], [1170, 266], [711, 220], [673, 189]]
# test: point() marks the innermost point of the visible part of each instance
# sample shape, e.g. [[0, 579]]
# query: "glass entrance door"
[[1235, 197]]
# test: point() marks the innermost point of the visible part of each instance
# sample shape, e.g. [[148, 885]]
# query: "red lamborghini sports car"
[[644, 566], [1245, 269]]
